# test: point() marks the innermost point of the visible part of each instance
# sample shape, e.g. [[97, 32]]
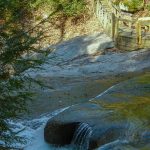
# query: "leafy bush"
[[16, 40], [148, 7], [14, 86], [70, 7], [133, 5], [67, 7]]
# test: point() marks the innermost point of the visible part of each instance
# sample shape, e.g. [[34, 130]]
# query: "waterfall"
[[31, 131], [81, 136]]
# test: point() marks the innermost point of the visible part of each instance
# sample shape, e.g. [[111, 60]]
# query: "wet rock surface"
[[65, 130], [113, 116], [89, 72], [91, 56], [104, 130], [81, 68]]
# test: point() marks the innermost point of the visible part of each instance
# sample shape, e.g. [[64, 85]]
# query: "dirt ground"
[[61, 28]]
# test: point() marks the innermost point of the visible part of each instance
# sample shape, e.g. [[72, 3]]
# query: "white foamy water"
[[101, 94], [33, 132], [81, 136]]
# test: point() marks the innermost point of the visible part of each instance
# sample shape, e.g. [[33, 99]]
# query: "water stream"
[[81, 136], [101, 94], [33, 130]]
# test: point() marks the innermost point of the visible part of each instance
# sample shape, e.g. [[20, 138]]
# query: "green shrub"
[[14, 87], [133, 5], [16, 40], [148, 7], [68, 7]]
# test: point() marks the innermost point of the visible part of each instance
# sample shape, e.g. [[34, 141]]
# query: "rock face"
[[114, 117], [88, 56], [73, 68], [108, 115], [61, 129], [65, 130]]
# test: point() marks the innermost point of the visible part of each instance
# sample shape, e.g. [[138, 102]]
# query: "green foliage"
[[148, 7], [16, 40], [12, 100], [70, 7], [12, 9], [14, 86], [67, 7], [133, 5]]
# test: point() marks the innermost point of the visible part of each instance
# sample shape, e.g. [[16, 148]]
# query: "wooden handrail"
[[127, 20], [144, 20], [114, 16]]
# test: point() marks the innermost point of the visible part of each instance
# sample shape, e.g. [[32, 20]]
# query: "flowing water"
[[33, 132], [81, 136], [33, 129]]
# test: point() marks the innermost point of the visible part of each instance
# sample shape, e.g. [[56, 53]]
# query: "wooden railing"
[[140, 28], [114, 22], [142, 23]]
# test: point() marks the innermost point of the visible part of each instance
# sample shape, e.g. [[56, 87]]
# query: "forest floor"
[[66, 28], [60, 28]]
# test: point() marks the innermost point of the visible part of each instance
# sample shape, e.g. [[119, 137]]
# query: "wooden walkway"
[[129, 31]]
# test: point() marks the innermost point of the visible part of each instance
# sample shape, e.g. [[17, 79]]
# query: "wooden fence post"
[[113, 26], [116, 29], [139, 34]]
